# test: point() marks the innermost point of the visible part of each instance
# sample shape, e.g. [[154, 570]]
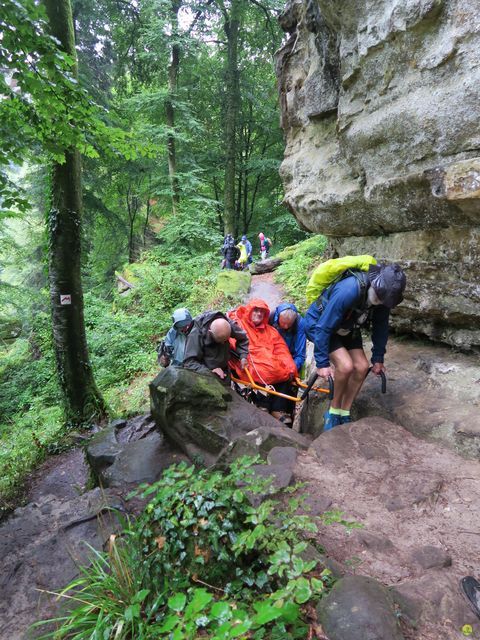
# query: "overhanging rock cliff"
[[381, 112]]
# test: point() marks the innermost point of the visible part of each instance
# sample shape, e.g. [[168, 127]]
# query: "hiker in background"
[[208, 346], [265, 244], [241, 263], [291, 326], [171, 350], [249, 248], [333, 324], [269, 360], [230, 252]]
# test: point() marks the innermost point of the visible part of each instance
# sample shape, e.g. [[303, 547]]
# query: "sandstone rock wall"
[[381, 112]]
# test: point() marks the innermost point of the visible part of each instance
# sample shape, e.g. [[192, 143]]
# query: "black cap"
[[388, 282]]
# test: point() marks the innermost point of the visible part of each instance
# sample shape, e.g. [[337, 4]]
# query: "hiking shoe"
[[330, 420], [471, 590], [345, 419]]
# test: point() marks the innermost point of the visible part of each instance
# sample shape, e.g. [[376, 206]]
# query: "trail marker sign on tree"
[[65, 298]]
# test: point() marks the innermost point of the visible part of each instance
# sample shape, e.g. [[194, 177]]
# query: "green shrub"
[[201, 562], [299, 261]]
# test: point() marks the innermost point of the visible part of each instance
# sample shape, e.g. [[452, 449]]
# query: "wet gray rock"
[[430, 557], [359, 608], [278, 477], [140, 461], [119, 423], [210, 422], [103, 449], [128, 453], [379, 109], [375, 541], [283, 456], [42, 546]]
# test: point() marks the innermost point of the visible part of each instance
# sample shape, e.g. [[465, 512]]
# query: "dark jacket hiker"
[[209, 350], [230, 251]]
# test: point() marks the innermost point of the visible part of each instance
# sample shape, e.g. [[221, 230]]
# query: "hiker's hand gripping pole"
[[311, 381], [383, 377]]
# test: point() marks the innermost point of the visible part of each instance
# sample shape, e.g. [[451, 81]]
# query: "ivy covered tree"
[[45, 113], [64, 223]]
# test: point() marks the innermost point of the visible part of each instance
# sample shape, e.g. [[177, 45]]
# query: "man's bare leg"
[[355, 379], [343, 363]]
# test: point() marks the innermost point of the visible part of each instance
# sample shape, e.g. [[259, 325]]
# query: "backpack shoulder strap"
[[359, 275], [363, 282]]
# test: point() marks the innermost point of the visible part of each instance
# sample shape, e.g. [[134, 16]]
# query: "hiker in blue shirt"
[[333, 324], [248, 246], [291, 326]]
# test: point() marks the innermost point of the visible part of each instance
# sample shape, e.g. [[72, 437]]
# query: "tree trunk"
[[83, 402], [232, 107], [169, 109], [133, 205]]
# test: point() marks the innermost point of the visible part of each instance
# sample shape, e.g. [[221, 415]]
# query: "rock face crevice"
[[380, 109]]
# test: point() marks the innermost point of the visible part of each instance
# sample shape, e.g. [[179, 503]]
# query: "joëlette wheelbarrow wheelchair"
[[249, 386]]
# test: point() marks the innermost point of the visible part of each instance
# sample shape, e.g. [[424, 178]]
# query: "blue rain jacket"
[[295, 337], [338, 301], [175, 338]]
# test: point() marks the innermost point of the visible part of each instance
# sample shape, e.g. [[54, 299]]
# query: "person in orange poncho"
[[269, 359]]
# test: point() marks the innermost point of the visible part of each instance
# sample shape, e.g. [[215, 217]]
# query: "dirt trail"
[[264, 287]]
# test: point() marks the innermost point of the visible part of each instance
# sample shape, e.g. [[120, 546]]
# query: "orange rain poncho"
[[269, 359]]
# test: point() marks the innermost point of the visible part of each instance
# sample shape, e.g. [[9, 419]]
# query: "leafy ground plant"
[[299, 260], [200, 562]]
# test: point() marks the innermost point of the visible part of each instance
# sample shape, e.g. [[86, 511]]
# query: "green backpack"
[[332, 270]]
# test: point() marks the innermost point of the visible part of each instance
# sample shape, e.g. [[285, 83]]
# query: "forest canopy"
[[172, 106]]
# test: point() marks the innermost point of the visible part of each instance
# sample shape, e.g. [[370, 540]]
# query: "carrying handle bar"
[[311, 382], [383, 379]]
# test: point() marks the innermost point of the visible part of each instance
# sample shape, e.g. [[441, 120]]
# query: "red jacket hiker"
[[269, 359]]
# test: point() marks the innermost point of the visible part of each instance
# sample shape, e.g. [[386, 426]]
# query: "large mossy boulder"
[[234, 284], [205, 418]]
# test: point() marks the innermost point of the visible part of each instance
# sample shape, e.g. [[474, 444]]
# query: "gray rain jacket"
[[175, 338]]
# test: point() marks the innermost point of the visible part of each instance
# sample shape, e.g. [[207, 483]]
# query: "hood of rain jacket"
[[269, 359], [181, 317]]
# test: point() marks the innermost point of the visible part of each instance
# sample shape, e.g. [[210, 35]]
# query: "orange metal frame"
[[253, 385]]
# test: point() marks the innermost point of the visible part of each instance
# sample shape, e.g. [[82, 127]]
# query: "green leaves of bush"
[[202, 561]]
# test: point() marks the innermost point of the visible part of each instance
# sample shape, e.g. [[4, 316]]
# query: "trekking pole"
[[384, 379], [311, 382]]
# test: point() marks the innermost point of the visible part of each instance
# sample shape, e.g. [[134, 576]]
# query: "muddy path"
[[264, 287]]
